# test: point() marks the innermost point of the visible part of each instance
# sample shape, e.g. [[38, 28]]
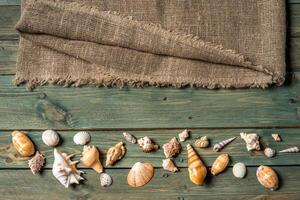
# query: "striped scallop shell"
[[82, 138], [140, 174], [267, 177]]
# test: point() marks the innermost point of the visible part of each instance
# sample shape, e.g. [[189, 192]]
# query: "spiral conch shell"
[[64, 169], [115, 153], [252, 141], [267, 177], [221, 145], [172, 148], [140, 174], [202, 142], [196, 168], [90, 158], [22, 143], [220, 164], [147, 144], [169, 165]]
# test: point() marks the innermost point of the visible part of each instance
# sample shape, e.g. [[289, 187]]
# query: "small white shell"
[[105, 180], [269, 152], [183, 135], [81, 138], [50, 138], [239, 170], [129, 138]]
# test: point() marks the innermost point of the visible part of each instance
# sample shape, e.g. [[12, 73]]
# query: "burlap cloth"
[[202, 43]]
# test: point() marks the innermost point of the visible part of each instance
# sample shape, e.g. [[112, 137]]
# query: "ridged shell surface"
[[50, 138], [269, 152], [267, 177], [196, 168], [239, 170], [91, 158], [82, 138], [172, 148], [105, 180], [140, 174], [22, 143], [220, 164], [202, 142]]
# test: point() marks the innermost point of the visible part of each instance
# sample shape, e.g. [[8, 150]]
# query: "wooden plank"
[[105, 139], [21, 184], [90, 107]]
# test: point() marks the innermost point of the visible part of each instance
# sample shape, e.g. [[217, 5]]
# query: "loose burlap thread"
[[203, 43]]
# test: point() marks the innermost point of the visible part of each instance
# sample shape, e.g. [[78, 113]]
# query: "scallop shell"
[[290, 150], [169, 165], [196, 168], [82, 138], [129, 138], [221, 145], [220, 164], [50, 138], [172, 148], [276, 137], [90, 158], [36, 162], [239, 170], [22, 143], [269, 152], [267, 177], [202, 142], [64, 169], [252, 141], [183, 135], [105, 180], [147, 144], [140, 174], [115, 153]]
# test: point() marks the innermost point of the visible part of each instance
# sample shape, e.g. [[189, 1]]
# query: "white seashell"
[[82, 138], [239, 170], [105, 180], [252, 141], [221, 145], [147, 144], [169, 165], [50, 138], [183, 135], [64, 169], [129, 138], [290, 150], [276, 137], [269, 152]]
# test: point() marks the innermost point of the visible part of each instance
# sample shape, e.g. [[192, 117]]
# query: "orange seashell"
[[22, 143], [115, 153], [90, 158], [196, 168], [140, 174], [267, 177], [220, 164]]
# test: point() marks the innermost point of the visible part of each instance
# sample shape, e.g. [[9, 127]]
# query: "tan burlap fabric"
[[202, 43]]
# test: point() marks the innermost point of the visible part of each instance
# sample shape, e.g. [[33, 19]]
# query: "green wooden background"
[[157, 112]]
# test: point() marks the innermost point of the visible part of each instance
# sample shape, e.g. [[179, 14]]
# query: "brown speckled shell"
[[22, 143], [196, 168], [140, 174], [220, 164], [267, 177]]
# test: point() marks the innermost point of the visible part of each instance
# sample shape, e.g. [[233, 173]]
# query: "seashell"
[[221, 145], [90, 158], [36, 162], [252, 141], [202, 142], [82, 138], [115, 153], [267, 177], [22, 143], [64, 169], [146, 144], [172, 148], [290, 150], [196, 168], [183, 135], [169, 165], [220, 164], [105, 180], [276, 137], [269, 152], [239, 170], [129, 138], [50, 138], [140, 174]]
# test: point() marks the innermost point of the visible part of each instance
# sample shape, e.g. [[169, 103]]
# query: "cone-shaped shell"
[[196, 168], [22, 143], [221, 145], [90, 158], [140, 174], [220, 164], [290, 150], [267, 177]]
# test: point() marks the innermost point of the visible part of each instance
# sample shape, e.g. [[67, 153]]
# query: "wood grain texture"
[[106, 139], [90, 107], [21, 184]]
